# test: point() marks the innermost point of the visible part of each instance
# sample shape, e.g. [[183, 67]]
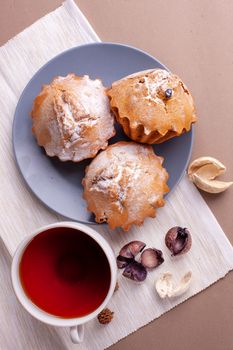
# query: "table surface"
[[195, 40]]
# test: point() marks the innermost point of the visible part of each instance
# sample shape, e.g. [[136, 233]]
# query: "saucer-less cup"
[[76, 324]]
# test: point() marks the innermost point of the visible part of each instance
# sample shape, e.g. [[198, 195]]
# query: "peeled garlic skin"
[[151, 258], [178, 240], [135, 271], [131, 249]]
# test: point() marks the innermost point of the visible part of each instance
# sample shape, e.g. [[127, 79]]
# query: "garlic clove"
[[164, 285], [178, 240], [135, 271], [209, 172], [182, 287], [211, 186], [203, 161], [204, 170], [131, 249], [151, 258]]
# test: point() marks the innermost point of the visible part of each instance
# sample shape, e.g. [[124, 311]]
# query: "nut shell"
[[151, 258], [131, 249], [122, 261], [178, 240], [135, 271]]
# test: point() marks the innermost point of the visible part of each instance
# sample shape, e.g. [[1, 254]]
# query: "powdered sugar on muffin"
[[152, 106], [125, 184], [72, 119]]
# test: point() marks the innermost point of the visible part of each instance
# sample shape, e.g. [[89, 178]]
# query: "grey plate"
[[58, 184]]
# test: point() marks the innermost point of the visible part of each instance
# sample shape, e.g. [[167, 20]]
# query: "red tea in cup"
[[65, 272]]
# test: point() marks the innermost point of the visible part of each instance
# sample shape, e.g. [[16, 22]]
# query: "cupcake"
[[152, 106], [125, 184], [71, 118]]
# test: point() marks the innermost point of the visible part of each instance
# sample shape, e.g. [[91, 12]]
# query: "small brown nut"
[[151, 258], [178, 240], [105, 316]]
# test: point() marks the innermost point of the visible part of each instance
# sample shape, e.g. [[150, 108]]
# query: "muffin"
[[152, 106], [71, 118], [125, 184]]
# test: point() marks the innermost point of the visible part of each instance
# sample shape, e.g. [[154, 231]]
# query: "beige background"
[[195, 40]]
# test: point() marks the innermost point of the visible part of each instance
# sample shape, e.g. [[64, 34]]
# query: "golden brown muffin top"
[[125, 184], [71, 118], [155, 99]]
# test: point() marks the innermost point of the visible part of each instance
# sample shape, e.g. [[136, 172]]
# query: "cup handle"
[[77, 334]]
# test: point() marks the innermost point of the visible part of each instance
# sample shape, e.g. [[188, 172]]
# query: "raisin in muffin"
[[125, 184], [152, 106], [72, 119]]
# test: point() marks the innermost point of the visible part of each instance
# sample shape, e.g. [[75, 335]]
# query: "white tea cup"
[[76, 324]]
